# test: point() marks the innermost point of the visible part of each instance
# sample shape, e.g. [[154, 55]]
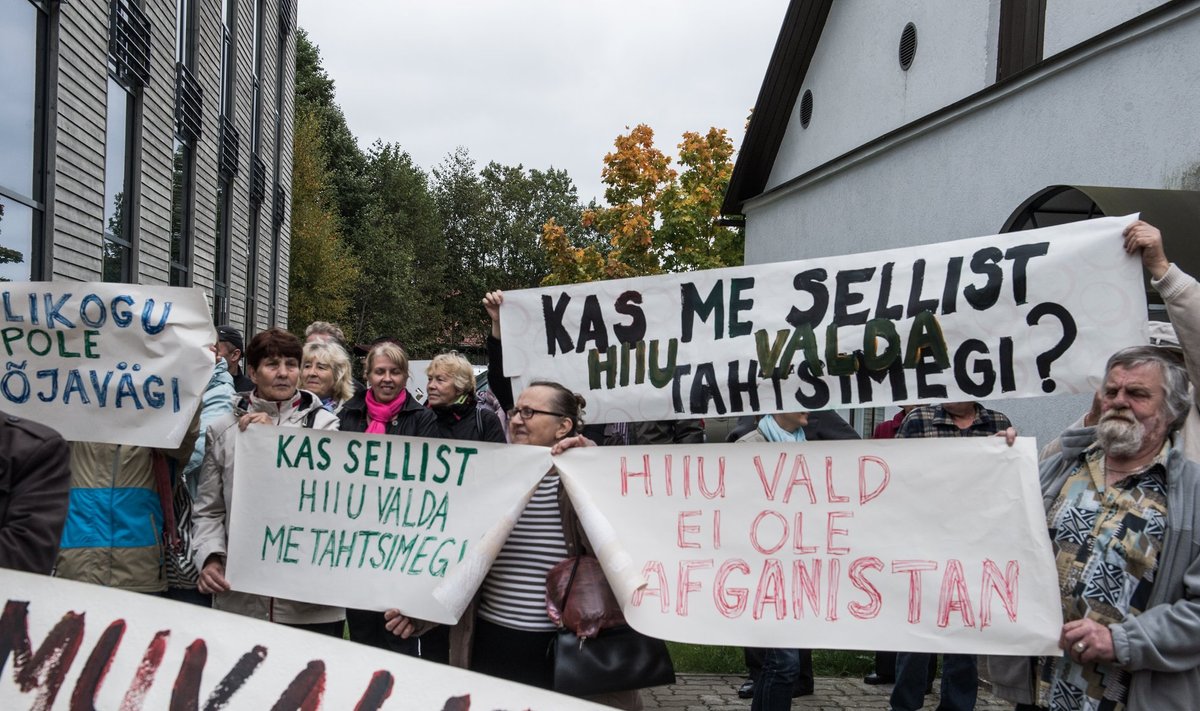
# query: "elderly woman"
[[273, 358], [453, 400], [325, 372], [506, 631], [385, 407]]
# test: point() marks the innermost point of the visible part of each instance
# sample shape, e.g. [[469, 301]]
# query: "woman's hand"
[[253, 418], [403, 627], [212, 577], [491, 302], [563, 445]]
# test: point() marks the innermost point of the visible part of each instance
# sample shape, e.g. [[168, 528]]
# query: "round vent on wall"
[[908, 46], [806, 108]]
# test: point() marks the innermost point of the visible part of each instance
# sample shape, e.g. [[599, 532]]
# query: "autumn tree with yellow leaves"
[[657, 219]]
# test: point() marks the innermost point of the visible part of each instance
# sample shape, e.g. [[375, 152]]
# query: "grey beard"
[[1120, 437]]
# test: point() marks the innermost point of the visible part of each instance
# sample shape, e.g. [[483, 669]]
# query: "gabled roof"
[[786, 72], [802, 26]]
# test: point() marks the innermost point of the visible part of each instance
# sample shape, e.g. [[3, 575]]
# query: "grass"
[[703, 659]]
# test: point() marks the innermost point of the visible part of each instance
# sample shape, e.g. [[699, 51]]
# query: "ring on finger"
[[1080, 647]]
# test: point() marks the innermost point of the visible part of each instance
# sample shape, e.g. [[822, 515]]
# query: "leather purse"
[[614, 657]]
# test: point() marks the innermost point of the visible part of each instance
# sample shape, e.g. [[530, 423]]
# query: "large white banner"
[[1015, 315], [69, 645], [116, 363], [934, 545], [371, 521]]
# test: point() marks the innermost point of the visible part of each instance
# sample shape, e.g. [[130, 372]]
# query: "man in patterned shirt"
[[960, 681], [1122, 517]]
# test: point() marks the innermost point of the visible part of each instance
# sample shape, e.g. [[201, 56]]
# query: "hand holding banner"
[[1014, 315], [115, 363], [373, 522], [879, 544]]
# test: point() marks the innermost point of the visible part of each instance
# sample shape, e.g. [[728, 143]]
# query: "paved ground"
[[712, 692]]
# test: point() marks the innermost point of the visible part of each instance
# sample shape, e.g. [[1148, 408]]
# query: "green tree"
[[492, 223], [403, 258], [462, 203], [345, 164], [323, 272]]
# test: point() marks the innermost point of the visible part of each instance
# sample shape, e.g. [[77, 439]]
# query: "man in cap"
[[229, 347]]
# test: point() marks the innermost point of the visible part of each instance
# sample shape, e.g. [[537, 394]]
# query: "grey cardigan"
[[1161, 646]]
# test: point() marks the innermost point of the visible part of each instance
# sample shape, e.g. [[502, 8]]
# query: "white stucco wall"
[[1069, 22], [1125, 116], [860, 91]]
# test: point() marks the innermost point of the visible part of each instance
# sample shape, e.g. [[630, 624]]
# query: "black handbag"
[[617, 659]]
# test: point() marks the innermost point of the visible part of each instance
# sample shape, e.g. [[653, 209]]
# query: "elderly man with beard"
[[1123, 520]]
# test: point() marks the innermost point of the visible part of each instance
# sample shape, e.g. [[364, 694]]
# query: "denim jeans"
[[960, 682], [776, 680]]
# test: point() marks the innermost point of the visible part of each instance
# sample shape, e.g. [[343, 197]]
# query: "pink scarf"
[[379, 414]]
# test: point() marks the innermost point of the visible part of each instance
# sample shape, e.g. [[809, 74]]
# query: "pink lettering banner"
[[935, 545]]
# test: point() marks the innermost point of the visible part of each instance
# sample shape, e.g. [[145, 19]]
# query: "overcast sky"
[[541, 82]]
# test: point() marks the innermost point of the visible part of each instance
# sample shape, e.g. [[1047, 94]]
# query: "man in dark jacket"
[[35, 481]]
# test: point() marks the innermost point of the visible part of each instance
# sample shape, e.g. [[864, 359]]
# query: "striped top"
[[514, 591]]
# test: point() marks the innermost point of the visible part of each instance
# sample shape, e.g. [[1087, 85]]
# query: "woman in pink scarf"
[[386, 408]]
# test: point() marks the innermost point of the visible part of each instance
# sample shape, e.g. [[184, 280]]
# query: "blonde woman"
[[386, 407], [453, 399], [325, 372]]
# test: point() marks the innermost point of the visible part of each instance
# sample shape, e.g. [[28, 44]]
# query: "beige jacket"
[[211, 516]]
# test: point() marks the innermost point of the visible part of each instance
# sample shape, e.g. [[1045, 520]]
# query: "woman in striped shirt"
[[506, 632]]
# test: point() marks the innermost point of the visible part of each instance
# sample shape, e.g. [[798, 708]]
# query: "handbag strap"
[[570, 581]]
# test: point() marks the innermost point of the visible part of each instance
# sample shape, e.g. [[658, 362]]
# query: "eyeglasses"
[[528, 412]]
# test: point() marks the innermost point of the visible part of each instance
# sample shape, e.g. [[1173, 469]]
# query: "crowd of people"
[[1121, 490]]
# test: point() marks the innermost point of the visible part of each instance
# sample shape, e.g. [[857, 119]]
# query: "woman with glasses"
[[505, 632], [385, 407]]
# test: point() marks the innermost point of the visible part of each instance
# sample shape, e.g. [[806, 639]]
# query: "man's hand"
[[212, 577], [1092, 418], [1009, 434], [1146, 237], [1087, 641], [491, 302]]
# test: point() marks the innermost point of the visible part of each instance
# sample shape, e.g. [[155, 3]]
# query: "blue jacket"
[[218, 400]]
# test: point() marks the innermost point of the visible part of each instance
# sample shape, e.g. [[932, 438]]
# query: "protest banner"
[[71, 645], [115, 363], [934, 545], [373, 522], [1015, 315]]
